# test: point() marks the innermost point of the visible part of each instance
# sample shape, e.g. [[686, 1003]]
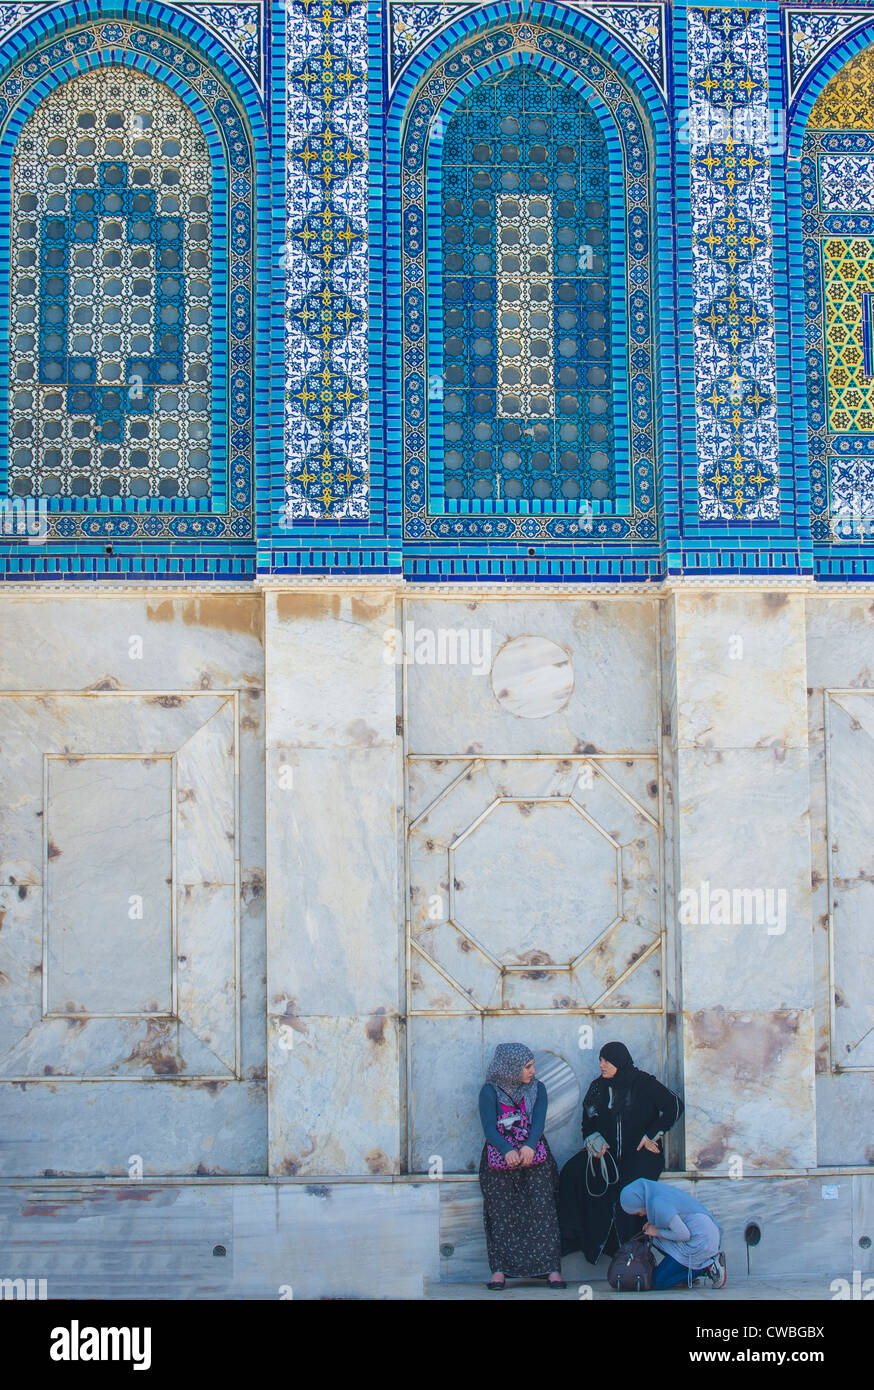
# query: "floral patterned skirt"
[[520, 1216]]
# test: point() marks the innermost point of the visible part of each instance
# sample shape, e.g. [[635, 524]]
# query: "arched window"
[[110, 308], [838, 226], [527, 407], [528, 294], [134, 253]]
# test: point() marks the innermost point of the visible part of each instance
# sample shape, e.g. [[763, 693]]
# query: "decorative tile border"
[[240, 27], [326, 262], [411, 24], [733, 274], [82, 535]]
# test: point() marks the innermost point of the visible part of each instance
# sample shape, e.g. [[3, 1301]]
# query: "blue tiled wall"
[[360, 71]]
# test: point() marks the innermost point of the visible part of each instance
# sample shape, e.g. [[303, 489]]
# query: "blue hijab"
[[661, 1199]]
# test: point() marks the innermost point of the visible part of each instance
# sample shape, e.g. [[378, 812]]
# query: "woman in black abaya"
[[626, 1113]]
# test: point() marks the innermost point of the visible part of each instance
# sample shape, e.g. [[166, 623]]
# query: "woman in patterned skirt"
[[517, 1172]]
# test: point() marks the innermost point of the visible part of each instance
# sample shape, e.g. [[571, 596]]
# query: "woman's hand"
[[603, 1151], [526, 1153], [651, 1144], [649, 1229], [514, 1158]]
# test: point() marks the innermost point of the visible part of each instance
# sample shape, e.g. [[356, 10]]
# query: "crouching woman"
[[686, 1233], [517, 1173]]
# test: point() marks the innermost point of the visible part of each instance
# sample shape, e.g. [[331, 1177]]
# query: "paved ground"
[[736, 1290]]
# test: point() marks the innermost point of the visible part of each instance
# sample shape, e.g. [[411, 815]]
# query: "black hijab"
[[617, 1054]]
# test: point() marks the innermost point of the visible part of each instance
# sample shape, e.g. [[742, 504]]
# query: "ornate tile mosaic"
[[326, 262], [12, 15], [133, 342], [810, 32], [111, 352], [411, 26], [837, 182], [733, 307], [241, 28], [526, 288], [428, 403], [641, 26]]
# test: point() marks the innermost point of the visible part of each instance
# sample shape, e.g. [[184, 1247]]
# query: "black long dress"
[[593, 1221]]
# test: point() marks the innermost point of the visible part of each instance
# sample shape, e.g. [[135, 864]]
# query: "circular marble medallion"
[[532, 677], [563, 1089]]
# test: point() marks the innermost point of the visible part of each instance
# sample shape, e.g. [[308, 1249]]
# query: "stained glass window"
[[527, 407], [111, 258]]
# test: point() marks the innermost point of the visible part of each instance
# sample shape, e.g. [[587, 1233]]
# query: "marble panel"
[[535, 882], [538, 989], [332, 679], [611, 646], [850, 761], [143, 1241], [466, 793], [206, 812], [463, 1257], [845, 1118], [740, 670], [597, 792], [90, 1128], [334, 930], [863, 1222], [469, 969], [840, 661], [370, 1240], [743, 831], [206, 967], [109, 946], [163, 643], [100, 748], [642, 989], [432, 991], [791, 1215], [325, 1240], [618, 952], [840, 642], [801, 1227], [532, 677], [280, 1243], [540, 778], [748, 1079], [334, 1095], [445, 1075]]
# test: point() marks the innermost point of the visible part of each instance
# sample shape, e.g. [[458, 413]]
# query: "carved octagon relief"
[[534, 884]]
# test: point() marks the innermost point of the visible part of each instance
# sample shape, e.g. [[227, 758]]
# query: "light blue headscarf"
[[661, 1199]]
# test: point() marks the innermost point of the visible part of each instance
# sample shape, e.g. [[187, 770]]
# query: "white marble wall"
[[840, 661], [132, 885], [446, 840], [741, 805], [334, 904], [534, 851], [377, 1239]]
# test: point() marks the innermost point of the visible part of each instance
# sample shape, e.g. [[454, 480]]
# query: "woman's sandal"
[[556, 1283], [497, 1284]]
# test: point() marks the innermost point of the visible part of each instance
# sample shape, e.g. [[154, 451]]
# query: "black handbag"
[[632, 1267]]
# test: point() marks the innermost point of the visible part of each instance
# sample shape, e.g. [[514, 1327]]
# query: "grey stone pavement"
[[740, 1290]]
